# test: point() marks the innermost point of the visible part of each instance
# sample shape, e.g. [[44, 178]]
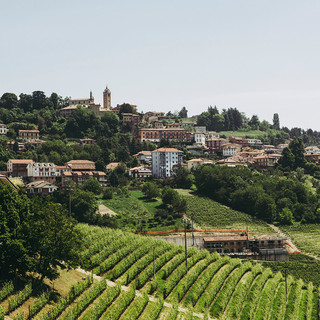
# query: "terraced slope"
[[140, 277]]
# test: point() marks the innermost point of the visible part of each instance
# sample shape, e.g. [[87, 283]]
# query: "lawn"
[[257, 134], [211, 214], [136, 212], [305, 236]]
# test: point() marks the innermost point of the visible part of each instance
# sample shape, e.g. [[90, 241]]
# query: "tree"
[[15, 256], [276, 122], [9, 100], [84, 205], [55, 239], [217, 122], [286, 216], [183, 113], [150, 190], [254, 122], [93, 186], [35, 235], [38, 99], [287, 160], [297, 149], [173, 200], [182, 177], [126, 108]]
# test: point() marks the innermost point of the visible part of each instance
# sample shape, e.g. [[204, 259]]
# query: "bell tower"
[[107, 99]]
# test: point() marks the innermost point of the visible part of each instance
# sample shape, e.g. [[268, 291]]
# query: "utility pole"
[[185, 242], [70, 202], [154, 264], [285, 274], [192, 229]]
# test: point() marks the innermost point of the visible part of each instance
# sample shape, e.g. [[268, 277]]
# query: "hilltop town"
[[217, 187]]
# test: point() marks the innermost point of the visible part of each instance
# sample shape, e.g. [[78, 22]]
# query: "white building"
[[163, 161], [3, 128], [41, 171], [200, 138], [230, 149]]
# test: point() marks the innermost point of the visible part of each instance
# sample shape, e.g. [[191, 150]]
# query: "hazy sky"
[[259, 56]]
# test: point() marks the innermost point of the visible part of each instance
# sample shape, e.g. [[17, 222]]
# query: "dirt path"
[[151, 298], [105, 210], [291, 247]]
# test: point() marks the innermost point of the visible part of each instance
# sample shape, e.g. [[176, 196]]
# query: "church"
[[89, 104]]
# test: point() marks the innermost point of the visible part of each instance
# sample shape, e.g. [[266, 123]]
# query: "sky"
[[262, 57]]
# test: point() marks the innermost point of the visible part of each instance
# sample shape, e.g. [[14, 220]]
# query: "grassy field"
[[211, 214], [136, 211], [305, 236], [257, 134]]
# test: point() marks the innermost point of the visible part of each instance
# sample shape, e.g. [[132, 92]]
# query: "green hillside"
[[223, 287], [208, 213]]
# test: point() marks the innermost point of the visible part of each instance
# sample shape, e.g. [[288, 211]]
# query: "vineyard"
[[306, 236], [134, 277], [209, 213]]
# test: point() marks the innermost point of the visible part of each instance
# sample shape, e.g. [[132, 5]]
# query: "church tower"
[[107, 99]]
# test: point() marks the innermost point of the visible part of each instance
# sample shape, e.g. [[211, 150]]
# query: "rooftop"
[[167, 150]]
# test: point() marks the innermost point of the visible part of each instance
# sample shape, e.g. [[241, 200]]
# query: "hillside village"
[[191, 142]]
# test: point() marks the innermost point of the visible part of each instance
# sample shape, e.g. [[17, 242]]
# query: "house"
[[251, 141], [265, 247], [87, 141], [20, 146], [27, 135], [35, 142], [266, 160], [155, 135], [266, 242], [81, 165], [226, 244], [174, 125], [230, 149], [112, 165], [312, 157], [153, 114], [130, 118], [3, 128], [141, 172], [201, 129], [80, 177], [144, 156], [197, 149], [194, 163], [238, 140], [163, 161], [215, 145], [41, 187], [200, 138], [61, 169], [233, 162], [158, 124], [18, 167], [42, 171], [312, 149]]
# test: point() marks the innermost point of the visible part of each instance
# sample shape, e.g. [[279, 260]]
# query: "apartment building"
[[163, 161]]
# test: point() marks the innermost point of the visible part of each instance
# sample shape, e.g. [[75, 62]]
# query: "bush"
[[150, 190], [108, 193]]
